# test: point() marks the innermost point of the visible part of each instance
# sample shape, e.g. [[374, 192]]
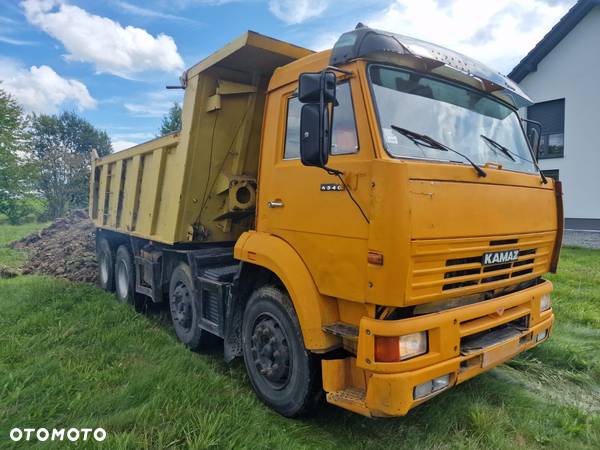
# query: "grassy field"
[[71, 356], [8, 233]]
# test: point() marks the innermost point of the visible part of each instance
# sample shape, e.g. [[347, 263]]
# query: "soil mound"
[[64, 249]]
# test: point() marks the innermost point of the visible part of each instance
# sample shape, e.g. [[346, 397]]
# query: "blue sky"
[[110, 60]]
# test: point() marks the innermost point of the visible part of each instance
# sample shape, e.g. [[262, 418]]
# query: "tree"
[[172, 120], [61, 145], [16, 173]]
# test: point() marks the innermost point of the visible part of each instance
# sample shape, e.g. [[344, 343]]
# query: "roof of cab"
[[374, 45]]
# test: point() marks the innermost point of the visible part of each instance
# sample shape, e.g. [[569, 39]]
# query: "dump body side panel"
[[128, 188], [198, 185]]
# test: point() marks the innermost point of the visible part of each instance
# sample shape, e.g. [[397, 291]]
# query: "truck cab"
[[399, 231]]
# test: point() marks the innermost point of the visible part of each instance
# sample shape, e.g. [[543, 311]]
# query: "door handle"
[[275, 204]]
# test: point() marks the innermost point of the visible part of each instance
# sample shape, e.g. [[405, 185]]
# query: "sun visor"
[[381, 46]]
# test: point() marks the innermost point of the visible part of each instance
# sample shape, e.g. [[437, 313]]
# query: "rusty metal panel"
[[102, 193], [130, 193], [160, 156], [115, 189]]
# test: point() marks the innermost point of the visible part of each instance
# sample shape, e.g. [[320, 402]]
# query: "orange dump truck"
[[367, 222]]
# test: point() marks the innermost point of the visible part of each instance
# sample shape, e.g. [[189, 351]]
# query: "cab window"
[[344, 137]]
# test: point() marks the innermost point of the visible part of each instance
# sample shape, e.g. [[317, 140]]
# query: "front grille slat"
[[442, 268], [475, 276], [477, 273]]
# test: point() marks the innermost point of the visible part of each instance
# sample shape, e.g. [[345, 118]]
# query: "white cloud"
[[111, 47], [150, 13], [498, 33], [296, 11], [137, 136], [13, 41], [155, 104], [41, 89], [119, 145]]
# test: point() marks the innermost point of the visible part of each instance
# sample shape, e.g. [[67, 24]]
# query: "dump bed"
[[198, 184]]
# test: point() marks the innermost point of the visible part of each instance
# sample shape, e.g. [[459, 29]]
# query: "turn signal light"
[[400, 348]]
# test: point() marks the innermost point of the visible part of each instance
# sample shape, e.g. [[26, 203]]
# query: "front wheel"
[[283, 373]]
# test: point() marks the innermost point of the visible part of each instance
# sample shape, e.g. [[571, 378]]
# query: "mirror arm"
[[321, 105], [335, 69]]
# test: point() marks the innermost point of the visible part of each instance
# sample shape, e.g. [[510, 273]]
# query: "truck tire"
[[125, 276], [285, 376], [106, 266], [185, 311]]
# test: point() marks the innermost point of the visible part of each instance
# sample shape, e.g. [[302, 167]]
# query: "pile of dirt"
[[64, 249]]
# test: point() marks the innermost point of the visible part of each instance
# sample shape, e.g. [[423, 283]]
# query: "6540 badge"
[[326, 187]]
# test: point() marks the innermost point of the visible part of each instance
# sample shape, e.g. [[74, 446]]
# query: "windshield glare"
[[452, 115]]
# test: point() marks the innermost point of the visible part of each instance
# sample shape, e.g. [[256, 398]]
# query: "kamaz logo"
[[500, 257]]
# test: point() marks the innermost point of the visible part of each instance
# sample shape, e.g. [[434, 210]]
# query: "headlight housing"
[[400, 348], [431, 386], [545, 303]]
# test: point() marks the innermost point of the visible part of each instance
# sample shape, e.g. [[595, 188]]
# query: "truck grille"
[[487, 274], [455, 266]]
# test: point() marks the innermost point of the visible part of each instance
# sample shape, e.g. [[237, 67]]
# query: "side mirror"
[[534, 140], [311, 85], [534, 133], [314, 135], [317, 92]]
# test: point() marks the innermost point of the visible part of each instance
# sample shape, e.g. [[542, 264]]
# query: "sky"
[[110, 60]]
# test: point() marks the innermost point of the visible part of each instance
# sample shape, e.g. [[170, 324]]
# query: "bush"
[[25, 210]]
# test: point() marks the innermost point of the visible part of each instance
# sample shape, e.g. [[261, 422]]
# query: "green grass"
[[71, 356], [8, 233]]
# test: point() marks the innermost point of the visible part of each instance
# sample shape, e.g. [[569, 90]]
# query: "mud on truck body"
[[367, 221]]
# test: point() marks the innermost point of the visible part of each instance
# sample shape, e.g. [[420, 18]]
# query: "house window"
[[344, 137], [551, 173], [552, 117]]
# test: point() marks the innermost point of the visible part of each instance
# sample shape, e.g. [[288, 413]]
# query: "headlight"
[[431, 386], [541, 336], [400, 348], [545, 303]]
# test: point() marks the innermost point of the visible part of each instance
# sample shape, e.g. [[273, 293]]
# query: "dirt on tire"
[[65, 249]]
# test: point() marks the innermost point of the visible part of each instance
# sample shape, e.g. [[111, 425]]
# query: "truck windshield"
[[471, 122]]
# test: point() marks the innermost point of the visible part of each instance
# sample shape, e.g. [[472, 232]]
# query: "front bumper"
[[387, 388]]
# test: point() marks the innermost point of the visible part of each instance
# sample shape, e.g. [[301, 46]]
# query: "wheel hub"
[[182, 307], [271, 352], [122, 280], [103, 269]]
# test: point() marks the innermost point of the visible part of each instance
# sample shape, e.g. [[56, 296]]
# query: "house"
[[562, 76]]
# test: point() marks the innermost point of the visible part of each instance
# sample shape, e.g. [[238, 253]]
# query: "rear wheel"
[[125, 276], [185, 311], [105, 260], [283, 373]]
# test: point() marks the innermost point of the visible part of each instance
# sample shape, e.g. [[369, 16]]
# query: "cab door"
[[309, 208]]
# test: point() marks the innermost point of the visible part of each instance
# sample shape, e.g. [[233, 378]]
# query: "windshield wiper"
[[510, 154], [428, 141], [497, 146]]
